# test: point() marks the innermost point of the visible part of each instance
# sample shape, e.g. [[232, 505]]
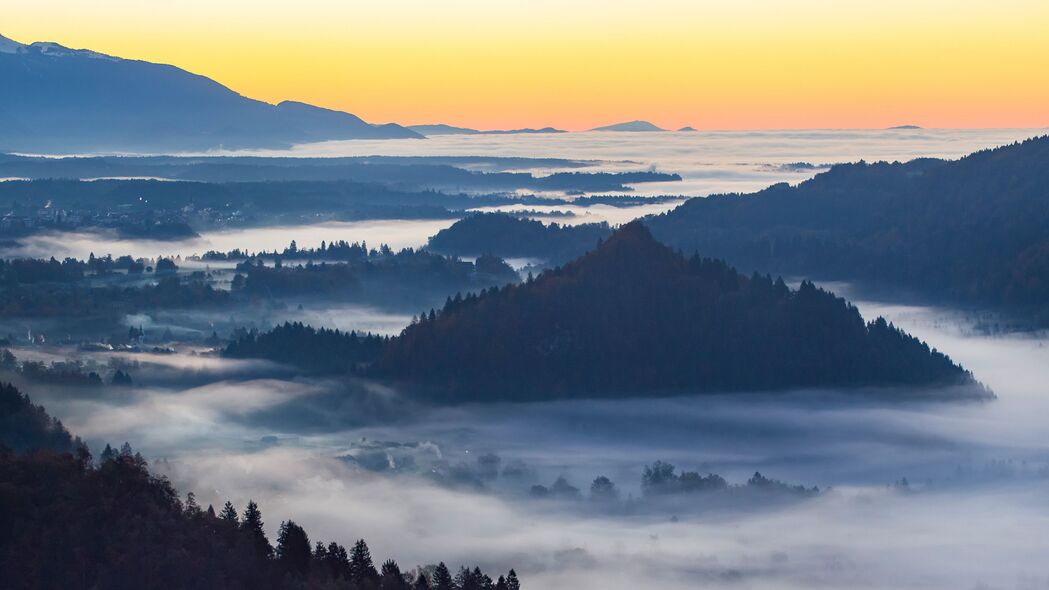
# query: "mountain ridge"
[[443, 129], [80, 100], [971, 231]]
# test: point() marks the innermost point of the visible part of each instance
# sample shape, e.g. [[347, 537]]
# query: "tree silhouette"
[[603, 490], [229, 513], [512, 583], [251, 523], [293, 547], [362, 570], [391, 577], [442, 578]]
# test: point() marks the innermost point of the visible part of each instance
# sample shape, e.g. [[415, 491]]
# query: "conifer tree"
[[192, 509], [391, 577], [442, 578], [362, 570], [229, 513], [293, 547], [511, 581], [251, 523]]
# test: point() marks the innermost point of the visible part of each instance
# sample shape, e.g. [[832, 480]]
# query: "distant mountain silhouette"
[[687, 129], [63, 100], [633, 126], [634, 317], [905, 127], [442, 129]]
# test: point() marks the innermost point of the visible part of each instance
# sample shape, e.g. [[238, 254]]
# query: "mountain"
[[632, 126], [442, 129], [67, 100], [525, 130], [633, 317], [973, 231], [904, 127], [509, 237], [687, 129]]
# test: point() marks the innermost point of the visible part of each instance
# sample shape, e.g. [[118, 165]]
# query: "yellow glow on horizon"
[[514, 63]]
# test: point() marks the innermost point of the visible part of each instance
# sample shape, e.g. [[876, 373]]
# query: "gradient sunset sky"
[[741, 64]]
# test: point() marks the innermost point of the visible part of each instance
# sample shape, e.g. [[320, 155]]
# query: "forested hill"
[[634, 317], [25, 426], [971, 231], [507, 236], [68, 521]]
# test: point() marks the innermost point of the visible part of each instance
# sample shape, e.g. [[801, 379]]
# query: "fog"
[[397, 233], [709, 161], [329, 313], [356, 459], [351, 459], [591, 214]]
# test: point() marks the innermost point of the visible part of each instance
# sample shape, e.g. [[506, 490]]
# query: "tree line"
[[974, 231], [68, 521]]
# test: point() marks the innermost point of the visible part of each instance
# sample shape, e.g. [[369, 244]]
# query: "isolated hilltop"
[[634, 317]]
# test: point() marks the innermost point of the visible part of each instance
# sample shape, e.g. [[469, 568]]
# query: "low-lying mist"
[[913, 494]]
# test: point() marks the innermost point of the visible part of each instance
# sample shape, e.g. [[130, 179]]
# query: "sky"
[[744, 64]]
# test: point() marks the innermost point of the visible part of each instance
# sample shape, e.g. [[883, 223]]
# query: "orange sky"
[[514, 63]]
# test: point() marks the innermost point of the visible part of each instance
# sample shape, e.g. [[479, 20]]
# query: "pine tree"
[[252, 524], [229, 513], [442, 578], [338, 561], [293, 547], [500, 584], [466, 579], [391, 577], [362, 570], [421, 583], [192, 509], [108, 454], [511, 581]]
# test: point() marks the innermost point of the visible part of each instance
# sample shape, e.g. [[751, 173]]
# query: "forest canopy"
[[632, 317], [973, 231], [68, 521]]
